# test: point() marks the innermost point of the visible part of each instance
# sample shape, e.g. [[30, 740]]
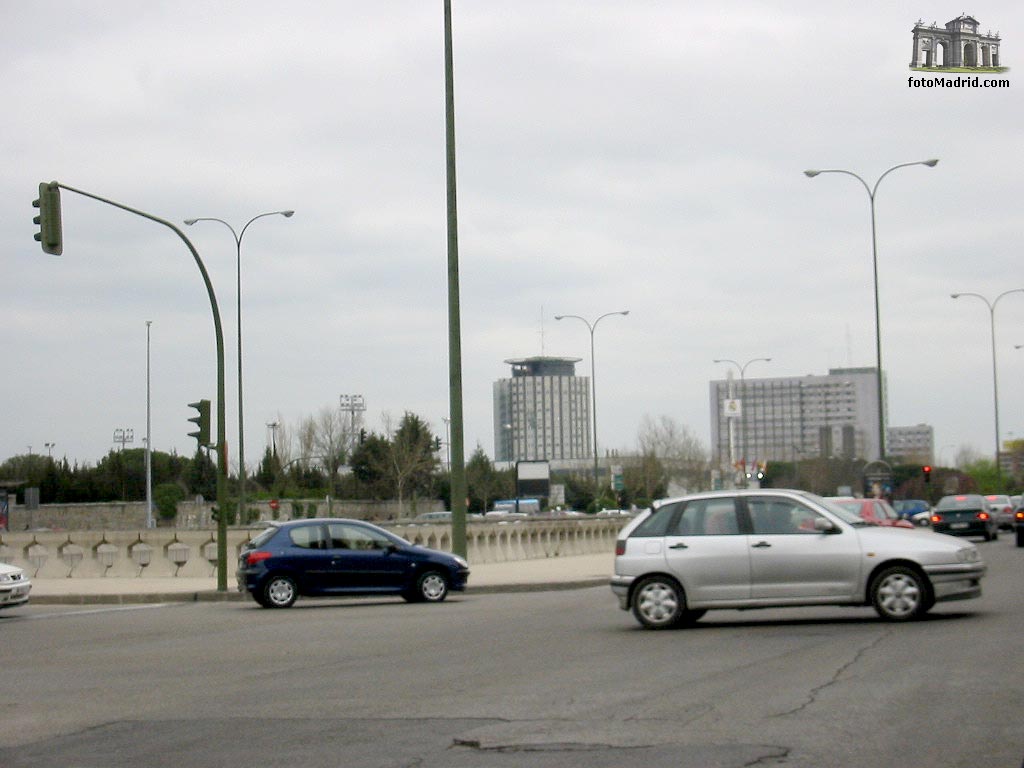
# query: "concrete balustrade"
[[160, 553]]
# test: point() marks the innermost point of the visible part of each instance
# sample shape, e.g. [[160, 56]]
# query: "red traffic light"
[[927, 473]]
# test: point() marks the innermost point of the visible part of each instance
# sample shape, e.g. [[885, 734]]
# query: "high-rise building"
[[794, 418], [542, 412], [910, 445]]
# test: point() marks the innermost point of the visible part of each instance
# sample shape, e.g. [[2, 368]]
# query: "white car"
[[14, 586], [774, 548]]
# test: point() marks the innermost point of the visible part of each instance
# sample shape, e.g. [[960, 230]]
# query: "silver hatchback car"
[[774, 548]]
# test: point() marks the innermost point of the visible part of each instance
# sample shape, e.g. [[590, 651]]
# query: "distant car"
[[923, 518], [908, 509], [15, 586], [433, 517], [769, 548], [965, 514], [1001, 508], [340, 558], [875, 511]]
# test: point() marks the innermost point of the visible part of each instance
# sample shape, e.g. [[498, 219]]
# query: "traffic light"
[[49, 234], [202, 421], [927, 473]]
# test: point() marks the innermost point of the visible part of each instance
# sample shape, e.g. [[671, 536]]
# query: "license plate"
[[958, 525]]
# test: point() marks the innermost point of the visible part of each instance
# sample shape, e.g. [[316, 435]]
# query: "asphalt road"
[[500, 680]]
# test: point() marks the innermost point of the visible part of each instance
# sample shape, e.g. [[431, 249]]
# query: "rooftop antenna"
[[542, 330]]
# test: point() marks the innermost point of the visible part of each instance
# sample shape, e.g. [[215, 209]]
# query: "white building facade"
[[795, 418], [542, 412]]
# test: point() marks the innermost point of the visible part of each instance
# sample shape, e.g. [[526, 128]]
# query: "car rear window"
[[962, 503], [658, 521]]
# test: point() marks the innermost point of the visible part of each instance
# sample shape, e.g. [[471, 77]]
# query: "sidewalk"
[[572, 572]]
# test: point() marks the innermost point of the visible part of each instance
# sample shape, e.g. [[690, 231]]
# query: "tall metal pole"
[[238, 284], [995, 378], [458, 468], [593, 386], [222, 469], [743, 401], [874, 263], [149, 439]]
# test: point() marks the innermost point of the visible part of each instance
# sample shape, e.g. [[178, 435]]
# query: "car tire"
[[431, 587], [278, 592], [899, 593], [660, 603]]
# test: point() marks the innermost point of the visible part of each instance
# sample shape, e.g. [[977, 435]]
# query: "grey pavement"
[[571, 572]]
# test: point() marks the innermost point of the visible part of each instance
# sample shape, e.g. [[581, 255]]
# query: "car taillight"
[[620, 547], [936, 518], [983, 515], [1020, 515], [256, 557]]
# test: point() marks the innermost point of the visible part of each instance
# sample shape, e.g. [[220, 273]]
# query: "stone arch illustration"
[[958, 43]]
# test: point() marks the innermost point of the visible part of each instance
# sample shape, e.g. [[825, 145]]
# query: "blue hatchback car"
[[339, 558]]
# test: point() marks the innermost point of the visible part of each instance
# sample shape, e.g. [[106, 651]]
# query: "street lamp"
[[995, 383], [593, 382], [241, 420], [874, 262], [743, 405], [149, 441]]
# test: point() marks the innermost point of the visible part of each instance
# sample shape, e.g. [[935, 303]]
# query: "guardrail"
[[162, 552]]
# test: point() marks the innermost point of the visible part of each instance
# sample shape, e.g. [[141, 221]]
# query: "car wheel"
[[659, 603], [431, 587], [899, 593], [278, 592]]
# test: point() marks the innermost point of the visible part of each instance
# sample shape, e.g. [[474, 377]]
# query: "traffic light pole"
[[222, 446]]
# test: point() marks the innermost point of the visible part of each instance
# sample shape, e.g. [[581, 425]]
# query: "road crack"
[[812, 696]]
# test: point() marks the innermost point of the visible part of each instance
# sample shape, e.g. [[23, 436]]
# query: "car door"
[[306, 555], [364, 560], [705, 550], [791, 558]]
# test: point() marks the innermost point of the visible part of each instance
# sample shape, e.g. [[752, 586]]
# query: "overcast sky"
[[611, 155]]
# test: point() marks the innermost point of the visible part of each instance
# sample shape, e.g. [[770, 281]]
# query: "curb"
[[231, 596]]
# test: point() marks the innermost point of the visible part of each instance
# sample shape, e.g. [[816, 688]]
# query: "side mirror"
[[824, 526]]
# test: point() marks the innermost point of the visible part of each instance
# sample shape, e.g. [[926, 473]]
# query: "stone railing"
[[162, 552]]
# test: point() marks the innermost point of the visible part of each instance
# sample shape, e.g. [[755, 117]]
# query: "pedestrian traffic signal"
[[202, 421], [927, 473], [49, 234]]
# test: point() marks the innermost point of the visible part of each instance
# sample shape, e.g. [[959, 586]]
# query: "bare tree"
[[680, 452], [330, 440]]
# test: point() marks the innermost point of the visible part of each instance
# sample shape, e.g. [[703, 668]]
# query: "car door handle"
[[761, 545], [680, 545]]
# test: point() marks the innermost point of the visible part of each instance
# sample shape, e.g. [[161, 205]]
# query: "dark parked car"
[[338, 558], [965, 514]]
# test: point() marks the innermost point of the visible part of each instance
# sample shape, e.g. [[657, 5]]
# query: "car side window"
[[344, 536], [707, 517], [658, 522], [308, 537], [781, 516]]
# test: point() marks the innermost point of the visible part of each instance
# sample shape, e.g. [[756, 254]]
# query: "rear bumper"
[[620, 586]]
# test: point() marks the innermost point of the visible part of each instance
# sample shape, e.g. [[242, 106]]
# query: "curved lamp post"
[[593, 382], [872, 191], [743, 412], [995, 382], [238, 251]]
